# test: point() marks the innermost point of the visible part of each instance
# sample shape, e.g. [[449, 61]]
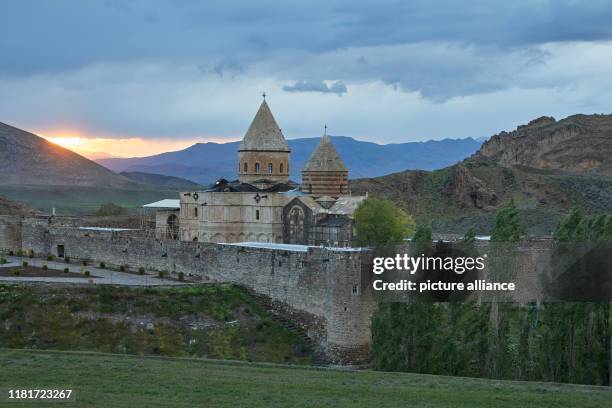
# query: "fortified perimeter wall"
[[319, 289], [326, 291]]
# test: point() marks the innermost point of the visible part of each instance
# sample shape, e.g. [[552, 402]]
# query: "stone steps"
[[318, 357]]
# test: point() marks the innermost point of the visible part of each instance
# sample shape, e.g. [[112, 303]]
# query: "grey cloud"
[[337, 87]]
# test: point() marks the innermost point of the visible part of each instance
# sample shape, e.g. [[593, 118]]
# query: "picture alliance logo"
[[411, 264]]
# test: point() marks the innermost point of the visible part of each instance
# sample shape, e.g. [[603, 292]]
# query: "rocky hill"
[[579, 143], [546, 167], [29, 159]]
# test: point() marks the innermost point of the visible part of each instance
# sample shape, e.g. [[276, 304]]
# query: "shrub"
[[2, 261], [102, 265], [50, 258], [45, 267], [31, 253], [110, 209], [20, 253], [67, 259], [141, 270], [24, 263], [161, 274], [66, 270], [16, 272], [87, 273], [181, 276]]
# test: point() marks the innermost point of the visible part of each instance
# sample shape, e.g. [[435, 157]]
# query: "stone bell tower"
[[263, 153], [325, 173]]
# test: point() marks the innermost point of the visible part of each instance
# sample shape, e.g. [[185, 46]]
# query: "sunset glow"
[[101, 147]]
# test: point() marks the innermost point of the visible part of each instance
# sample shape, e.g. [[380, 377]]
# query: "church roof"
[[325, 158], [264, 133]]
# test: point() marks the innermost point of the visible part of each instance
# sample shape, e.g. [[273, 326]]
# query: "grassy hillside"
[[127, 381], [26, 158], [216, 321], [468, 194], [69, 200]]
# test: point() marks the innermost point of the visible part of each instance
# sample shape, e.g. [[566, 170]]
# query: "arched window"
[[195, 212], [257, 214], [281, 168], [256, 167], [269, 168], [245, 166]]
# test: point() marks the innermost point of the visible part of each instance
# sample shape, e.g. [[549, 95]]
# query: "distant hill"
[[29, 159], [8, 207], [158, 180], [547, 167], [206, 162]]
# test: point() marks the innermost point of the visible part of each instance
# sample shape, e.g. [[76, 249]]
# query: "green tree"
[[507, 224], [470, 236], [380, 222], [109, 209], [422, 234]]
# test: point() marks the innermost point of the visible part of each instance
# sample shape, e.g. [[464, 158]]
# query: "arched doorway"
[[172, 226], [296, 226]]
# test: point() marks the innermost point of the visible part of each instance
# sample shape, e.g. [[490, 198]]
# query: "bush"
[[16, 272], [45, 267], [110, 209], [50, 258], [20, 253], [67, 259], [24, 263], [161, 274], [141, 270], [181, 276], [102, 265], [66, 270], [381, 222], [87, 273], [31, 253], [2, 261]]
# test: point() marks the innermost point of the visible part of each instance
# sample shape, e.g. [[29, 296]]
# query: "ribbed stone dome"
[[325, 158], [264, 133]]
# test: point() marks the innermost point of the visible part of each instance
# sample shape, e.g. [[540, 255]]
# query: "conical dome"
[[264, 133], [325, 158]]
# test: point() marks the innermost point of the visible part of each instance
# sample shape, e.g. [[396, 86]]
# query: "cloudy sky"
[[136, 77]]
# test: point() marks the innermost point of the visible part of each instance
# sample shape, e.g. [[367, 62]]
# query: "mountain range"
[[205, 163], [545, 166], [26, 158]]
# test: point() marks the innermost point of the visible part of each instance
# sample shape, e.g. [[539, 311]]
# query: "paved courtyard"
[[99, 276]]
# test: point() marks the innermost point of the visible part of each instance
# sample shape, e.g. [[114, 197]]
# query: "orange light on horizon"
[[98, 147]]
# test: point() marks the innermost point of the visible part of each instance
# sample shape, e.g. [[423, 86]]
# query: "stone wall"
[[10, 233], [325, 291], [314, 288]]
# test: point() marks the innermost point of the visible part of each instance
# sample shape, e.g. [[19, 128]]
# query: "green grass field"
[[110, 380], [75, 200]]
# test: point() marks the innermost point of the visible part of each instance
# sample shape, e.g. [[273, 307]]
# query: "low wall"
[[10, 233], [318, 289]]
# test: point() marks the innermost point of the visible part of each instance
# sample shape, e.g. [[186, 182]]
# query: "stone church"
[[263, 204]]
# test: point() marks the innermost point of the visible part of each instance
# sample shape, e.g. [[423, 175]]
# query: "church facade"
[[263, 204]]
